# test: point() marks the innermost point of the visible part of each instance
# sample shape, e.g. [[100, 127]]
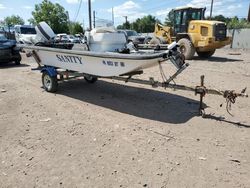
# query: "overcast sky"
[[132, 8]]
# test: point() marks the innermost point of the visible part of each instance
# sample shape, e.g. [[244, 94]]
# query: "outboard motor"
[[175, 56], [45, 37], [44, 32]]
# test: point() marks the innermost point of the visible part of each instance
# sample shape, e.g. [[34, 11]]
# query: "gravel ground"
[[115, 134]]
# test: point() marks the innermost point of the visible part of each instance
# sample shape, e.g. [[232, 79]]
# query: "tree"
[[236, 23], [75, 28], [53, 14], [221, 18], [13, 20], [169, 20], [142, 25], [32, 21], [136, 25], [146, 24], [125, 25]]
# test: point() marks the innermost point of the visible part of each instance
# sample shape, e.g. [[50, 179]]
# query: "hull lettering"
[[69, 59]]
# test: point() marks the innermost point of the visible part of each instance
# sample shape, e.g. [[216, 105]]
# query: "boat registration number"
[[113, 63]]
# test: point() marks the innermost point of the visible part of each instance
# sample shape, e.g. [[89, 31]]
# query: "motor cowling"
[[44, 32]]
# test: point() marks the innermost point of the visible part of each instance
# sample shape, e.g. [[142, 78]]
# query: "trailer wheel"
[[205, 54], [50, 83], [186, 48], [17, 62], [90, 79]]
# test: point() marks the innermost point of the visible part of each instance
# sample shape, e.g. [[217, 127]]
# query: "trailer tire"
[[186, 48], [90, 79], [207, 54], [17, 62], [50, 83]]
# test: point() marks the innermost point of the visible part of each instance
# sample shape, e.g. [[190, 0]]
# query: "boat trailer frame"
[[201, 90]]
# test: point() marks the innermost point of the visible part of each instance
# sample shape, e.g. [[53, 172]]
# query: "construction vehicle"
[[192, 32]]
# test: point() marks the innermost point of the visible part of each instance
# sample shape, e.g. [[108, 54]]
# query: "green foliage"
[[221, 18], [120, 26], [53, 14], [142, 25], [13, 20], [236, 23], [75, 28], [147, 24], [232, 23], [125, 25], [169, 20], [32, 21]]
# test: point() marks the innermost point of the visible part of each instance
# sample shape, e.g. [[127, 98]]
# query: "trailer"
[[101, 59]]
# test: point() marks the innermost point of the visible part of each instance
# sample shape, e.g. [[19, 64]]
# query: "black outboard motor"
[[175, 56]]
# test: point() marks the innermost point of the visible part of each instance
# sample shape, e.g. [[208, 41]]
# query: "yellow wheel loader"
[[192, 32]]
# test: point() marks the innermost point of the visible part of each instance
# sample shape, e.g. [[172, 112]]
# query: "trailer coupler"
[[229, 95]]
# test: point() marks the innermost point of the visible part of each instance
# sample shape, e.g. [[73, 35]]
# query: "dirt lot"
[[112, 134]]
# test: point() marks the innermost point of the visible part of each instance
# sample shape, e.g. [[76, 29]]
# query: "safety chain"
[[230, 97]]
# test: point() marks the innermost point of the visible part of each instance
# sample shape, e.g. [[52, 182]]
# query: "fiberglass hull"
[[102, 64]]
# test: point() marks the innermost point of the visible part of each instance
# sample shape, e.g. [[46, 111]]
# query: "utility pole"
[[248, 18], [126, 21], [113, 19], [90, 21], [211, 9], [83, 25], [94, 19], [68, 20]]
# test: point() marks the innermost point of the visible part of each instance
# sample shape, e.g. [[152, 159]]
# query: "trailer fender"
[[50, 70]]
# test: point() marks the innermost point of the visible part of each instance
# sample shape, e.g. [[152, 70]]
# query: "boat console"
[[105, 39]]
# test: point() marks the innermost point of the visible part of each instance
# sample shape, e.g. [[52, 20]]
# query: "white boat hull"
[[106, 64]]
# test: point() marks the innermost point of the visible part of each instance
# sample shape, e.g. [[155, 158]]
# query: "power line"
[[77, 13]]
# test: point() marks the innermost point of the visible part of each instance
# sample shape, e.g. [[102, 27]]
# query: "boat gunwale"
[[113, 55]]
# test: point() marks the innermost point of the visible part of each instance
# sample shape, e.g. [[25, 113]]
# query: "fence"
[[241, 38]]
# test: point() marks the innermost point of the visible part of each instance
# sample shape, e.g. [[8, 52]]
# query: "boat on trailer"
[[103, 55], [106, 54]]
